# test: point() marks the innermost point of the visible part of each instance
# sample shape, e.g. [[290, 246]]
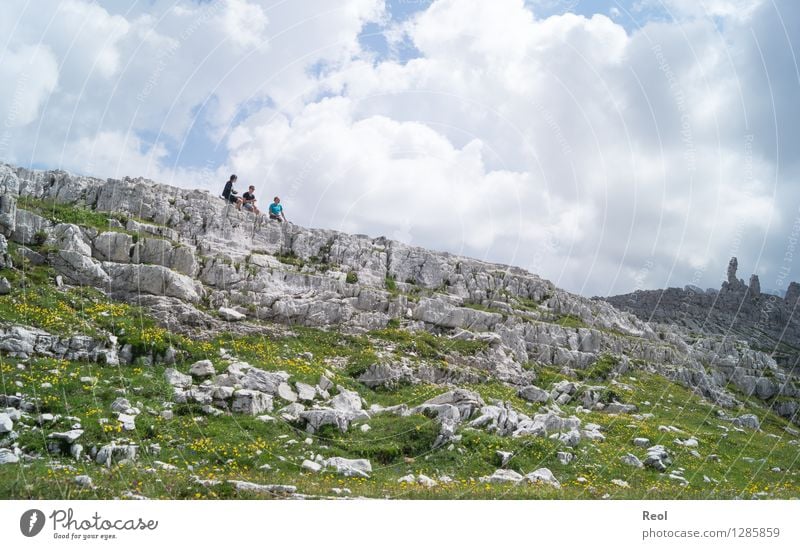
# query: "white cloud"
[[602, 158], [29, 74]]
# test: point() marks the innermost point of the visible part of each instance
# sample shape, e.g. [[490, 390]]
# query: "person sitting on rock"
[[249, 200], [276, 210], [229, 194]]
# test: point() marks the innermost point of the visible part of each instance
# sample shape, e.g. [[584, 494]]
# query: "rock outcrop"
[[201, 267]]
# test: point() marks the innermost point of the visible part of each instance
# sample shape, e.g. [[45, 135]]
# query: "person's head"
[[233, 178], [252, 188], [277, 200]]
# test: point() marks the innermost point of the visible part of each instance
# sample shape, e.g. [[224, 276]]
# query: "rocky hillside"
[[158, 343]]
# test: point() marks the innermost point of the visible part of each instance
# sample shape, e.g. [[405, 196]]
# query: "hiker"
[[249, 200], [276, 210], [230, 195]]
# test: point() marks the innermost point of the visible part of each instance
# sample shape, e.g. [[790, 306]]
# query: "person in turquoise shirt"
[[276, 210]]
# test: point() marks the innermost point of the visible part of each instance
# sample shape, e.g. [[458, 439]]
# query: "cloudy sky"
[[606, 145]]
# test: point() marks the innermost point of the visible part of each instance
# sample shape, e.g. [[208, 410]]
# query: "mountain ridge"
[[220, 313]]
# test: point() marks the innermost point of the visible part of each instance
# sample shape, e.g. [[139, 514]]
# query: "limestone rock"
[[349, 467]]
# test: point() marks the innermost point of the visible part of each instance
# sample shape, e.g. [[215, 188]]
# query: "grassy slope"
[[237, 447]]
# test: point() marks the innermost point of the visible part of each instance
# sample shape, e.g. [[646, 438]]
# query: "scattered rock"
[[349, 467], [7, 456], [231, 315], [202, 369], [633, 461], [545, 476], [312, 466], [502, 476], [531, 393], [747, 421]]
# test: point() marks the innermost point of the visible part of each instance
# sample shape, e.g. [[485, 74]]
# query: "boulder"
[[531, 393], [7, 456], [6, 425], [177, 379], [501, 476], [111, 454], [305, 392], [633, 461], [349, 467], [202, 369], [387, 376], [543, 475], [253, 403], [748, 421]]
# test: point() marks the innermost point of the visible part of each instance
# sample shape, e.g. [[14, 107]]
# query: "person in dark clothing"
[[249, 200], [229, 194]]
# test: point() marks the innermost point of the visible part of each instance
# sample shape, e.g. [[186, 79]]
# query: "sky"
[[606, 145]]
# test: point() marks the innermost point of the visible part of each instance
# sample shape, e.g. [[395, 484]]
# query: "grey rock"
[[202, 369], [501, 476], [253, 403], [177, 379], [346, 401], [84, 481], [748, 421], [120, 405], [68, 436], [5, 286], [388, 376], [274, 489], [7, 456], [6, 425], [231, 315], [349, 467], [111, 454], [305, 392], [565, 458], [543, 475], [286, 393], [531, 393], [632, 460]]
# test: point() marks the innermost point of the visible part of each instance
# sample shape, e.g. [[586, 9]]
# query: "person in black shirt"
[[230, 195], [249, 200]]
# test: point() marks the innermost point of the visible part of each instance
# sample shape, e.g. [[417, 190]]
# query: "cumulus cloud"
[[604, 158]]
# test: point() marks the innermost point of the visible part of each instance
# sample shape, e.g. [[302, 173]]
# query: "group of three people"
[[248, 200]]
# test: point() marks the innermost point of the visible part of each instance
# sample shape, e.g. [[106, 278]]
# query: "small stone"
[[311, 466], [641, 442], [620, 483], [84, 481], [565, 457], [5, 286], [633, 461]]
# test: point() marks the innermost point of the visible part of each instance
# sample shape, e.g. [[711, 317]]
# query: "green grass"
[[351, 277], [290, 258], [60, 212], [237, 447], [427, 345], [571, 321]]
